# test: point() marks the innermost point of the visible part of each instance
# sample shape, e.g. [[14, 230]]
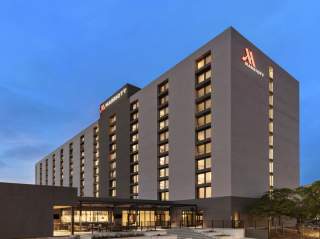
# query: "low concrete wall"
[[27, 210]]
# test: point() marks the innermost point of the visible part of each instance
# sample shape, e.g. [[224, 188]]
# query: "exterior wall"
[[240, 166], [88, 175], [250, 164], [121, 108], [27, 210]]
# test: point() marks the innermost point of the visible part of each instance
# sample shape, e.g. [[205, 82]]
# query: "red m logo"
[[248, 57]]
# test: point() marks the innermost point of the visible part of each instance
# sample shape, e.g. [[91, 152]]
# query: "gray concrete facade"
[[240, 116]]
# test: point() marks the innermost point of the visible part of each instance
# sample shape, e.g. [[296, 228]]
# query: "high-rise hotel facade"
[[218, 129]]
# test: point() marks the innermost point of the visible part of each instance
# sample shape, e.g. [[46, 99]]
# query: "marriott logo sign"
[[249, 61]]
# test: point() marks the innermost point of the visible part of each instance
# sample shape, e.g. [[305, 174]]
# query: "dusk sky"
[[60, 59]]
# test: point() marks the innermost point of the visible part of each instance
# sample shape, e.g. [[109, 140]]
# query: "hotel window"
[[163, 148], [134, 127], [204, 192], [203, 120], [203, 130], [112, 155], [163, 138], [163, 100], [164, 184], [204, 163], [40, 173], [134, 138], [164, 160], [203, 149], [82, 162], [61, 167], [113, 138], [204, 178], [53, 169], [134, 148], [96, 160], [163, 112], [164, 172], [203, 91], [46, 171], [204, 134], [204, 77], [203, 62], [204, 105], [134, 153], [271, 128], [135, 158], [163, 87], [70, 164], [163, 124]]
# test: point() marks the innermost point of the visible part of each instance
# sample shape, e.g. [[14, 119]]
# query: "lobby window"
[[134, 150], [113, 138], [163, 140], [203, 119]]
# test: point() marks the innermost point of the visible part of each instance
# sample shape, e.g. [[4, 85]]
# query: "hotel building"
[[217, 130]]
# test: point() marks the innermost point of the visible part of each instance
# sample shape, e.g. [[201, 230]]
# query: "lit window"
[[203, 91], [134, 138], [271, 127], [113, 138], [164, 172], [164, 160], [164, 87], [113, 119], [134, 105], [164, 184], [163, 99], [163, 112], [205, 119], [204, 76], [270, 167], [203, 61], [204, 178], [270, 153], [164, 196], [204, 105], [113, 128], [270, 140], [164, 148], [113, 192], [134, 147], [204, 149], [271, 183], [135, 158], [164, 136], [113, 147], [135, 168], [271, 100], [270, 113], [134, 116], [271, 86], [163, 124], [204, 134], [204, 163], [113, 156], [271, 72], [134, 127]]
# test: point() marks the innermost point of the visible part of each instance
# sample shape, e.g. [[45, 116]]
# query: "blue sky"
[[60, 59]]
